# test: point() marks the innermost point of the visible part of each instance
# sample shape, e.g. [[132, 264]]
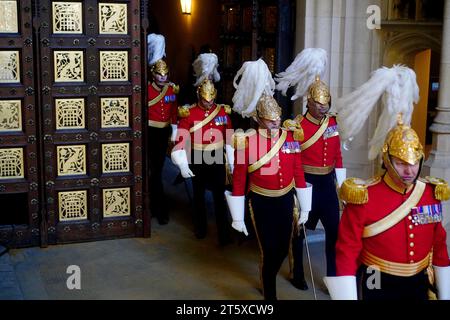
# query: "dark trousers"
[[390, 287], [325, 207], [272, 218], [158, 143], [211, 177]]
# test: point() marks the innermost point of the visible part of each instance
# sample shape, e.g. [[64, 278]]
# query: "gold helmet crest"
[[268, 108], [160, 67], [403, 142], [319, 92], [206, 90]]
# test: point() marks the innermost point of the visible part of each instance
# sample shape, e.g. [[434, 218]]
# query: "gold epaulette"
[[183, 111], [354, 190], [175, 88], [226, 107], [441, 188], [295, 127], [299, 118]]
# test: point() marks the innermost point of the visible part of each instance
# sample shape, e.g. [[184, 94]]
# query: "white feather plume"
[[156, 47], [255, 80], [308, 64], [205, 67], [399, 91]]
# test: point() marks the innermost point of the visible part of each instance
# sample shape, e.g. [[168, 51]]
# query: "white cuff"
[[341, 288], [236, 204], [173, 136], [230, 156], [179, 158], [341, 175], [304, 197], [442, 276]]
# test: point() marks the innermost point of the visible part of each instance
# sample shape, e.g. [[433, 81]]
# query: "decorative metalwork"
[[9, 67], [112, 18], [10, 115], [71, 160], [11, 163], [67, 17], [113, 65], [72, 205], [116, 157], [70, 114], [9, 22], [116, 202], [114, 112], [68, 66]]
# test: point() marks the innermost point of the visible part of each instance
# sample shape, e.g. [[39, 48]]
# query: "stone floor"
[[171, 264]]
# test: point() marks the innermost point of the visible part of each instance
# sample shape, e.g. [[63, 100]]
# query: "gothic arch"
[[401, 47]]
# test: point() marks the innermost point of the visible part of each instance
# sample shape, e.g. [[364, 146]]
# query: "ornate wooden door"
[[84, 124], [19, 147]]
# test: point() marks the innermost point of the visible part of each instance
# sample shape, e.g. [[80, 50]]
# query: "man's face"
[[160, 79], [408, 172], [270, 124], [205, 103], [316, 109]]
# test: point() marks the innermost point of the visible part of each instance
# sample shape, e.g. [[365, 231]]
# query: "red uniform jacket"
[[162, 107], [405, 242], [326, 151], [278, 173], [213, 132]]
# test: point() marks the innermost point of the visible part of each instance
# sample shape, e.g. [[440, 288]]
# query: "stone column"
[[438, 163]]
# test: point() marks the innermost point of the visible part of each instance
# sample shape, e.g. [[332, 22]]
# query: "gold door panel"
[[69, 114], [11, 163], [116, 157], [67, 17], [10, 115], [9, 67], [112, 18], [9, 22], [72, 205], [71, 160], [116, 202], [113, 65], [114, 112]]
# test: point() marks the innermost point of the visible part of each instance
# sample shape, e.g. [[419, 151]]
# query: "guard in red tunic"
[[391, 232], [321, 155], [268, 172], [202, 131], [162, 122]]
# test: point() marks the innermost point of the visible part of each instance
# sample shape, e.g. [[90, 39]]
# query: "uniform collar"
[[264, 133], [395, 186], [156, 87], [314, 120], [207, 110]]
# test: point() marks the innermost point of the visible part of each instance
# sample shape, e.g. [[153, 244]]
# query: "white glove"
[[179, 158], [230, 156], [237, 209], [173, 136], [341, 175], [442, 276], [304, 197], [341, 288], [304, 215]]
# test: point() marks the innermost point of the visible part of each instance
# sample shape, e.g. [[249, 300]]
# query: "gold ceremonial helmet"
[[319, 92], [401, 142], [160, 67], [268, 108], [207, 90]]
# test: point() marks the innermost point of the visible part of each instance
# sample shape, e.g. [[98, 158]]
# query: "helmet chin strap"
[[393, 174]]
